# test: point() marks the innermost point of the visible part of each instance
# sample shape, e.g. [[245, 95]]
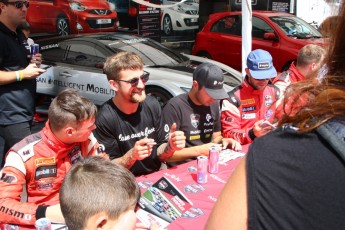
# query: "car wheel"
[[62, 27], [167, 25], [204, 55], [160, 94]]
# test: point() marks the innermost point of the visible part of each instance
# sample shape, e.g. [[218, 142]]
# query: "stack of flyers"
[[164, 200], [228, 154]]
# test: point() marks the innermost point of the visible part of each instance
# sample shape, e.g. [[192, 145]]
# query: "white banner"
[[246, 33]]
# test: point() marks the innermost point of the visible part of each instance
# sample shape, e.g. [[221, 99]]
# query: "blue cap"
[[260, 65]]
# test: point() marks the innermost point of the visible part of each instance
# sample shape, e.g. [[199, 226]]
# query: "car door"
[[42, 15], [85, 74], [225, 44], [77, 65]]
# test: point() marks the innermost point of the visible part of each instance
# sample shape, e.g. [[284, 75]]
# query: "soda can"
[[202, 162], [43, 224], [35, 48], [213, 159]]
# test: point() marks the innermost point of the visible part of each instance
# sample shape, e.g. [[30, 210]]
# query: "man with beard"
[[196, 113], [130, 124], [18, 72], [250, 108]]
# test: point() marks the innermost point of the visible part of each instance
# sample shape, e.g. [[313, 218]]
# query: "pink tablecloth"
[[203, 196]]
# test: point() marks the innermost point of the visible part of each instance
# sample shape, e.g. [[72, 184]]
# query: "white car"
[[181, 17], [77, 61]]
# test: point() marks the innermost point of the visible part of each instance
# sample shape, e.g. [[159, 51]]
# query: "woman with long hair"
[[293, 177]]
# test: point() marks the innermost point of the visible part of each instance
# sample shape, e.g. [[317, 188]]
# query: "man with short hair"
[[40, 161], [130, 124], [197, 114], [309, 59], [248, 112], [17, 75]]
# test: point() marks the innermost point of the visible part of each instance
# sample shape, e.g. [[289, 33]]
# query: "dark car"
[[77, 61], [281, 34]]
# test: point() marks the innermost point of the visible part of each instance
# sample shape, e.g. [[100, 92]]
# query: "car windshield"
[[153, 53], [296, 27]]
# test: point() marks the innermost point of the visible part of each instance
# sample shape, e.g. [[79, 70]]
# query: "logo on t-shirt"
[[194, 120]]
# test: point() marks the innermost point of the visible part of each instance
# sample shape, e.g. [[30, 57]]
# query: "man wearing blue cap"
[[197, 114], [250, 108]]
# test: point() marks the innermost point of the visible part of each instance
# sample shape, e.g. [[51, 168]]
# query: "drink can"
[[43, 224], [202, 162], [213, 159], [35, 48]]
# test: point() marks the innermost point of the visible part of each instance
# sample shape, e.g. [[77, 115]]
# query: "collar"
[[61, 149], [333, 131], [298, 76], [6, 30]]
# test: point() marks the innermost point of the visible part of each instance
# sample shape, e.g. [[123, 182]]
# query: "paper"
[[164, 200], [228, 154]]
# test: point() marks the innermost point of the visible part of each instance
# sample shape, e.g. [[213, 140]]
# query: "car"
[[65, 17], [281, 34], [181, 17], [76, 61]]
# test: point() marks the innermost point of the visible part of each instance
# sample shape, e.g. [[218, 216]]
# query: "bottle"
[[43, 224]]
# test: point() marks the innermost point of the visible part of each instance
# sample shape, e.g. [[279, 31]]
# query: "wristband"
[[17, 76], [21, 74]]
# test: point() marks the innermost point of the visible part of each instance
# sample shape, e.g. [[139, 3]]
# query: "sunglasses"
[[135, 81], [19, 4]]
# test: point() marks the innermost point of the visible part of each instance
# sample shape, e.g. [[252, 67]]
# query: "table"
[[203, 196]]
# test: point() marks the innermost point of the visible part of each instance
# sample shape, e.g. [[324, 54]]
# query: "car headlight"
[[76, 6]]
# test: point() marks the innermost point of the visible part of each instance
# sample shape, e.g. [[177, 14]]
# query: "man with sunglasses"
[[130, 124], [18, 72], [250, 108]]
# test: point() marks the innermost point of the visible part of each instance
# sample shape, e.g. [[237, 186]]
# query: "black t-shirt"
[[118, 132], [17, 98], [295, 181], [198, 122]]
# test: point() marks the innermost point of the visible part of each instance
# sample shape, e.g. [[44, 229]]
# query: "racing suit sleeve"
[[95, 149], [231, 123], [12, 210]]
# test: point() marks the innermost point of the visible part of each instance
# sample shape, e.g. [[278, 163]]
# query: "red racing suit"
[[287, 78], [40, 161], [244, 107], [282, 81]]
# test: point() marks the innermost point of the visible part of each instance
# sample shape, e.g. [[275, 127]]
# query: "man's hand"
[[232, 144], [142, 149], [177, 139], [31, 71], [37, 59], [261, 127]]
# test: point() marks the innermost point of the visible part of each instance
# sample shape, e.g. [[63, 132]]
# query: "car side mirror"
[[270, 36]]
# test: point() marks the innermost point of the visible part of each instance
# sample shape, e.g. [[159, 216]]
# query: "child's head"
[[97, 192]]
